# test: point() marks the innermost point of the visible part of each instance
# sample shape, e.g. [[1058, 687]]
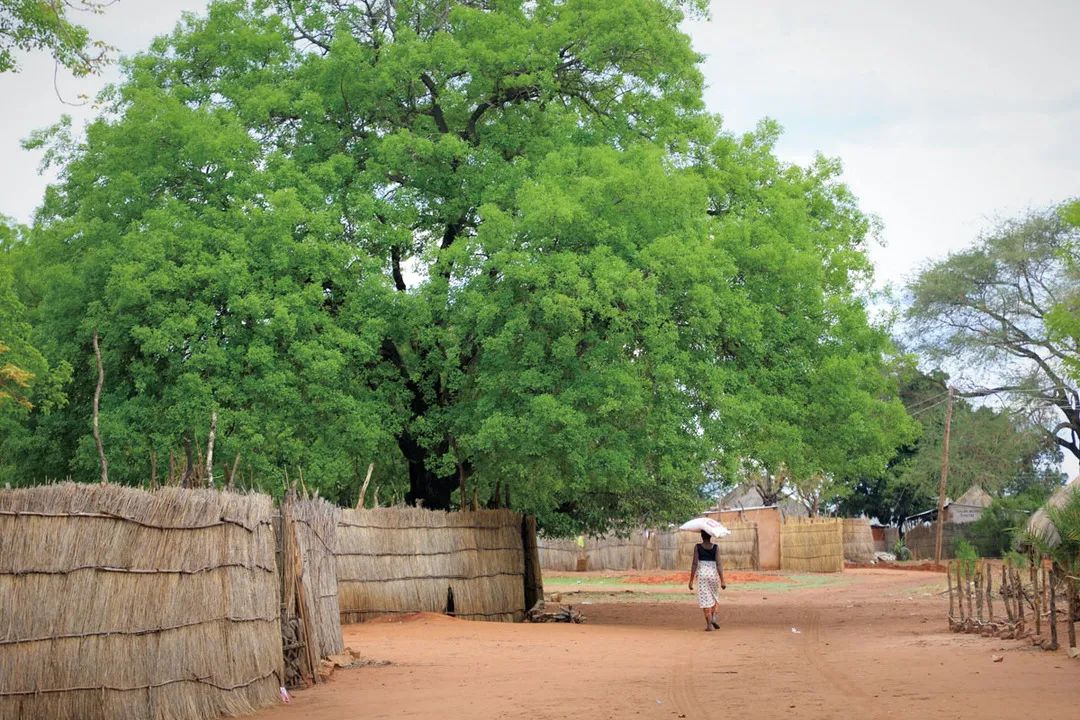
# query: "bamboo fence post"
[[979, 591], [990, 593], [948, 581], [1053, 610]]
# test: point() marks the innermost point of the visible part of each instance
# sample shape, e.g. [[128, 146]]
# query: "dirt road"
[[865, 644]]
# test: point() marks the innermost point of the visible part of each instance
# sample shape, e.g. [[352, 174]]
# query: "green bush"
[[901, 551], [995, 532]]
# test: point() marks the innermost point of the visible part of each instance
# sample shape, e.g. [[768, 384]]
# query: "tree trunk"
[[189, 454], [424, 485]]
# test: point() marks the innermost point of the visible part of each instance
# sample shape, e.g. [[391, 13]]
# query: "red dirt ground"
[[872, 644]]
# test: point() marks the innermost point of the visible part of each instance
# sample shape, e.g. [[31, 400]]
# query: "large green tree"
[[495, 247], [988, 308]]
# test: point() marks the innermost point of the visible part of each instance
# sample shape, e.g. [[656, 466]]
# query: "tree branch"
[[436, 109]]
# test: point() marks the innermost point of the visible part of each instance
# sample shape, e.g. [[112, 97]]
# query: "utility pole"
[[944, 478]]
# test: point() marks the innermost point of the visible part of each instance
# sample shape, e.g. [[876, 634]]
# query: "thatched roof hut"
[[118, 603], [1040, 525]]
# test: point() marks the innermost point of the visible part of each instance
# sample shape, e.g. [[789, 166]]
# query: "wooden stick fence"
[[1025, 602]]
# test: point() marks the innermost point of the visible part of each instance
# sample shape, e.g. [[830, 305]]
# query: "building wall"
[[767, 520]]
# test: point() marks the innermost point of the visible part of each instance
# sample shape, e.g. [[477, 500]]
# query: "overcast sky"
[[946, 114]]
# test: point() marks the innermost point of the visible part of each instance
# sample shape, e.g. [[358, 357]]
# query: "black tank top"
[[703, 554]]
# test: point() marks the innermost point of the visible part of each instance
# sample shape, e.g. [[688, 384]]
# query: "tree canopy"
[[1000, 452], [497, 248], [1002, 309], [27, 25]]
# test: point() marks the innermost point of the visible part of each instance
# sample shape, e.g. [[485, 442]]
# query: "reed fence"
[[406, 560], [812, 545], [310, 616], [920, 540], [119, 603], [648, 550]]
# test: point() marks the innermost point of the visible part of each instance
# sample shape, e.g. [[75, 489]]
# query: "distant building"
[[746, 497], [966, 509]]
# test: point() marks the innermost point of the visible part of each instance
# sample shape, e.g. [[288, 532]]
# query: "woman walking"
[[710, 575]]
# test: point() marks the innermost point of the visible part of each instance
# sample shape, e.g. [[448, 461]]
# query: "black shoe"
[[715, 624]]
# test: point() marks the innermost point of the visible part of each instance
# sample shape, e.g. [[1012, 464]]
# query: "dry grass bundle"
[[120, 603], [812, 545], [738, 551], [403, 560], [858, 540], [314, 526]]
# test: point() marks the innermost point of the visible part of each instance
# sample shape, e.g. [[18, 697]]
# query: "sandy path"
[[871, 646]]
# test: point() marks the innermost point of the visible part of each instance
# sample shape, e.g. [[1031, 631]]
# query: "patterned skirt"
[[708, 584]]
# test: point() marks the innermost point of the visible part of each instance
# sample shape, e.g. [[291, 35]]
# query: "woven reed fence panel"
[[812, 545], [858, 540], [921, 538], [638, 551], [561, 555], [738, 551], [118, 603], [404, 560], [315, 523]]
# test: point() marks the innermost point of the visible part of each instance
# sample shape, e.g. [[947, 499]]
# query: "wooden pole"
[[948, 581], [979, 591], [1053, 609], [363, 488], [1070, 594], [944, 478], [1019, 585], [210, 449], [1005, 593], [990, 593], [1036, 593], [959, 588], [97, 412]]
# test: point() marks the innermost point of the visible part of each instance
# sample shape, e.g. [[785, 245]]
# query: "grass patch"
[[626, 591]]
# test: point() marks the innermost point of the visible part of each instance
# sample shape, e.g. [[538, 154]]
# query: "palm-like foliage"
[[1066, 521]]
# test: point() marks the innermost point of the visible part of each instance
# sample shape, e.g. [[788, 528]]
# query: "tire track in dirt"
[[813, 650]]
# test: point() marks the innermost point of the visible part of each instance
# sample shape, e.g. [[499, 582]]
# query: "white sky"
[[946, 115]]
